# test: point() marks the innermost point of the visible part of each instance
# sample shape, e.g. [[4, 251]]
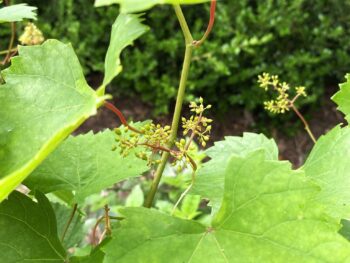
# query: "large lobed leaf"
[[125, 30], [85, 164], [266, 216], [44, 99], [132, 6], [328, 164], [17, 12], [28, 231], [342, 98], [211, 177]]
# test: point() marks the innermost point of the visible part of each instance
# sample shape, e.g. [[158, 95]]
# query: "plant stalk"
[[69, 221], [183, 24], [3, 52], [12, 40], [307, 127], [178, 107]]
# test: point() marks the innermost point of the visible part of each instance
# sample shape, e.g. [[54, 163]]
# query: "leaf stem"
[[3, 52], [12, 40], [69, 221], [185, 192], [94, 230], [120, 115], [210, 24], [108, 222], [307, 127], [178, 106]]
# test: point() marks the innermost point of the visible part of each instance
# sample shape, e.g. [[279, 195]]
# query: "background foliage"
[[306, 42]]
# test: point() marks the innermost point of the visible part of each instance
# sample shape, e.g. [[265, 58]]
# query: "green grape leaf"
[[28, 231], [345, 230], [133, 6], [44, 99], [125, 30], [328, 164], [95, 256], [266, 216], [342, 98], [213, 172], [85, 164], [99, 3], [189, 207], [75, 233], [17, 12], [136, 197]]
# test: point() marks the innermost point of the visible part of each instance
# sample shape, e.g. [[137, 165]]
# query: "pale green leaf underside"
[[125, 30], [329, 164], [342, 98], [44, 99], [28, 231], [85, 164], [17, 12], [213, 172], [265, 217], [132, 6]]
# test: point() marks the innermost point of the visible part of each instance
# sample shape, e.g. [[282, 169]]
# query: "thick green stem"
[[184, 27], [179, 101]]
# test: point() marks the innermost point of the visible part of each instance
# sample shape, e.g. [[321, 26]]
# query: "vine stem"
[[183, 24], [12, 40], [3, 52], [94, 230], [307, 127], [210, 24], [69, 221], [120, 115], [178, 106], [185, 192]]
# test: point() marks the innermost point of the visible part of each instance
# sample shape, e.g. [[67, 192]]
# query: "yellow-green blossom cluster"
[[155, 134], [301, 91], [126, 140], [150, 135], [156, 138], [31, 35], [282, 102], [198, 125]]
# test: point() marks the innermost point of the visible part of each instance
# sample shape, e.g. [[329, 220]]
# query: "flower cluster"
[[31, 35], [156, 138], [150, 136], [198, 125], [282, 102], [156, 134]]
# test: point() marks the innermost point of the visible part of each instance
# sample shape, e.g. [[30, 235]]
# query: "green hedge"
[[307, 42]]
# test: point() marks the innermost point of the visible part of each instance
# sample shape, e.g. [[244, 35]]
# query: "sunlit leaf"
[[210, 178], [328, 164], [44, 99], [342, 98], [266, 216], [85, 164], [125, 30], [132, 6], [17, 12]]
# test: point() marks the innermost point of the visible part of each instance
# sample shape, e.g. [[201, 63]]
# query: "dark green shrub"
[[306, 42]]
